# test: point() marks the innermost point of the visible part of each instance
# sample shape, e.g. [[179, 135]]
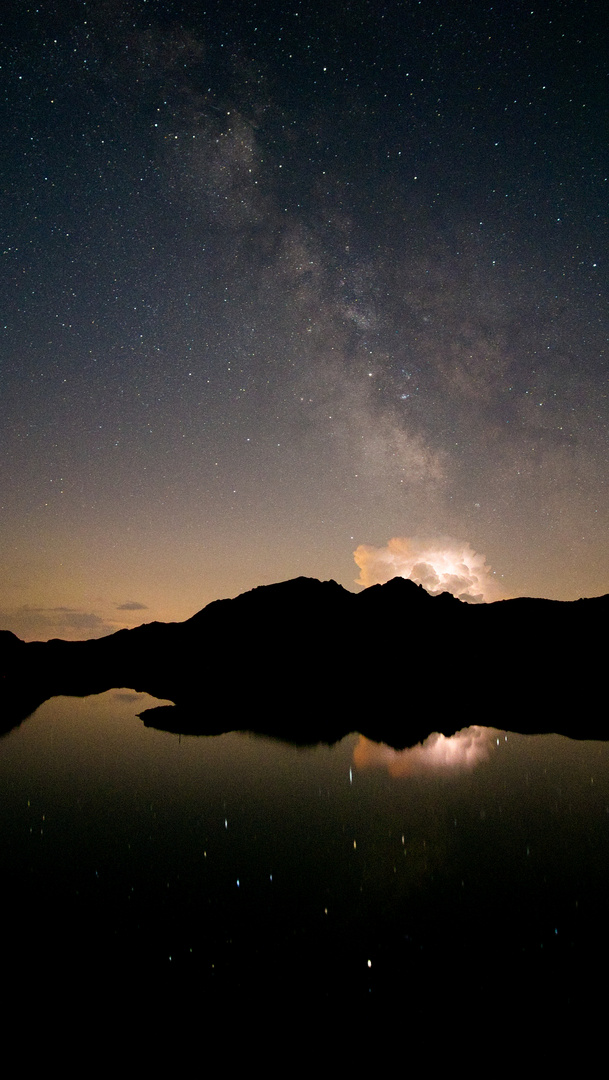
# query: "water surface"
[[252, 869]]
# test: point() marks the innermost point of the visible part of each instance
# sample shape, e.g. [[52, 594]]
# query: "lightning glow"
[[437, 565]]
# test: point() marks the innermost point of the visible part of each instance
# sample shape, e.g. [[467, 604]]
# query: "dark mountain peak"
[[11, 651], [8, 640], [308, 606], [300, 590], [404, 596], [301, 593], [397, 586]]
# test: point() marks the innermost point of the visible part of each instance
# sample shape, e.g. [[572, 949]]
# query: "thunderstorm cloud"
[[438, 565]]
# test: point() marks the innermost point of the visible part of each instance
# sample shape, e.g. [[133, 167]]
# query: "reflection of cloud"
[[437, 565], [132, 605], [460, 752]]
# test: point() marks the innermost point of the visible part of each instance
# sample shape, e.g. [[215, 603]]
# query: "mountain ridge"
[[308, 646]]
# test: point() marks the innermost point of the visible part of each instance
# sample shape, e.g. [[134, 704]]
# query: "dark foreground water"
[[470, 872]]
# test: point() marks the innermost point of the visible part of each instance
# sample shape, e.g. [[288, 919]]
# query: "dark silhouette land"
[[309, 661]]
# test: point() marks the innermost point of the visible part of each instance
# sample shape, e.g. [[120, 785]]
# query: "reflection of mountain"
[[309, 661]]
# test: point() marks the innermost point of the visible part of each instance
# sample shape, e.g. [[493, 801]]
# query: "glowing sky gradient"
[[285, 283]]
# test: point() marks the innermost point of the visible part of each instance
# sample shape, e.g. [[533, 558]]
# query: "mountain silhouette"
[[310, 661]]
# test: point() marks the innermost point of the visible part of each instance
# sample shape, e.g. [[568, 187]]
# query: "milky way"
[[282, 282]]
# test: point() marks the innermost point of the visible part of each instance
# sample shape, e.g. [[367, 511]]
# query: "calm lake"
[[245, 868]]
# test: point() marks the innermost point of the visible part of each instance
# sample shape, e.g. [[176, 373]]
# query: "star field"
[[283, 281]]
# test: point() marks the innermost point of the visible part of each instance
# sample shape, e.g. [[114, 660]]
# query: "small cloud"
[[72, 619], [132, 605], [40, 624]]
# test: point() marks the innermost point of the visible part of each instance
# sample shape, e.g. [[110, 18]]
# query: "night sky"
[[281, 283]]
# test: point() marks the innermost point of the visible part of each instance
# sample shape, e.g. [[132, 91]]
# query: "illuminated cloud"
[[459, 753], [437, 565]]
